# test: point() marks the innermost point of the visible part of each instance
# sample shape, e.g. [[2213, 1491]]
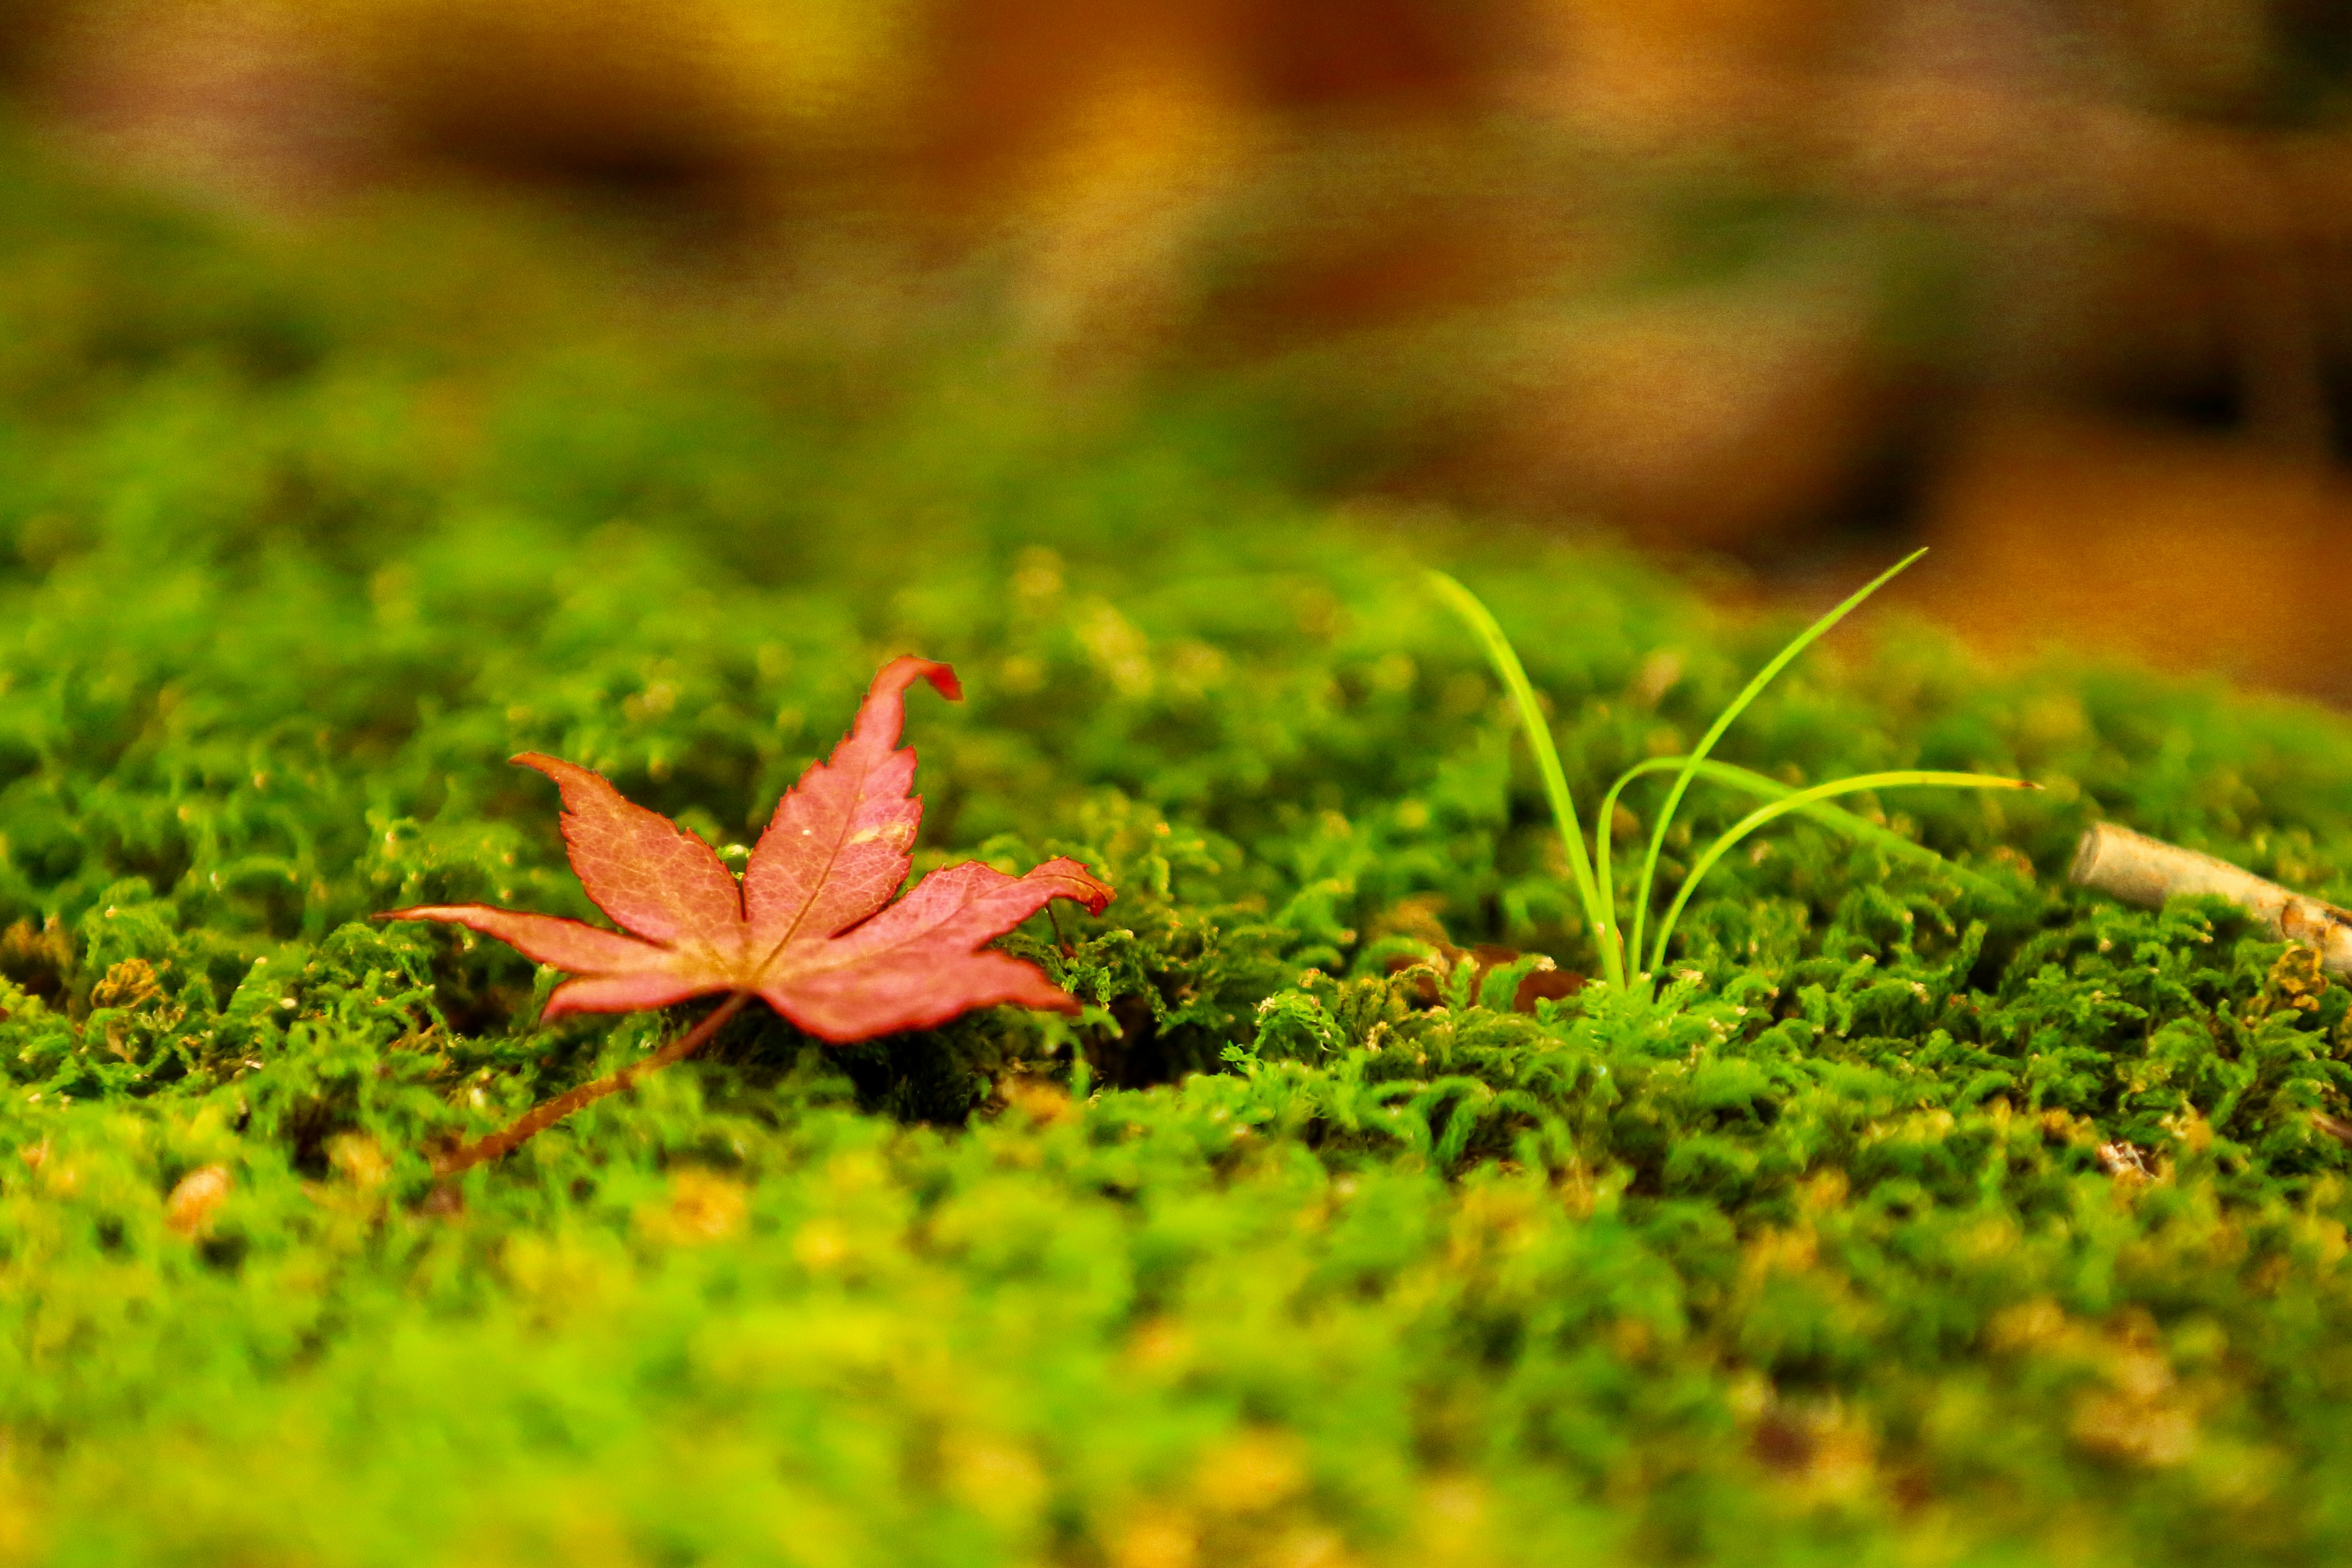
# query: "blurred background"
[[2061, 289]]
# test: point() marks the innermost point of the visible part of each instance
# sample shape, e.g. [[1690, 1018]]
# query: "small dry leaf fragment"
[[194, 1199], [2125, 1162], [1780, 1444], [2296, 981], [1544, 982], [39, 957], [126, 984], [1822, 1450], [1545, 986]]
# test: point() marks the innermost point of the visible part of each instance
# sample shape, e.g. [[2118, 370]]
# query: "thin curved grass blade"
[[1764, 815], [1506, 660], [1723, 722], [1730, 775]]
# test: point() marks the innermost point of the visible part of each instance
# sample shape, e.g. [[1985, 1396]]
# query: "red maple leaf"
[[810, 929]]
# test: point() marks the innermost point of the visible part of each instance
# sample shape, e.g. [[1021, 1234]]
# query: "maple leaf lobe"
[[812, 927], [837, 847], [653, 877]]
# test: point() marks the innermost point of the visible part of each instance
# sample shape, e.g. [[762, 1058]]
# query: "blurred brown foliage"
[[2066, 287]]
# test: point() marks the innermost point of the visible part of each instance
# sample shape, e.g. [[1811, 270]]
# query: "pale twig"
[[547, 1113], [2137, 870]]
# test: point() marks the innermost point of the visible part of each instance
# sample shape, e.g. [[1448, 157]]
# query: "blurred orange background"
[[2064, 291]]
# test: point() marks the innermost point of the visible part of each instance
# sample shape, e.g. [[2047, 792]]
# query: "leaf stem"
[[548, 1113]]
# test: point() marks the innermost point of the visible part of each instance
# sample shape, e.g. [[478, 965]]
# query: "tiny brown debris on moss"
[[1781, 1445], [1421, 977], [126, 988], [194, 1199], [1817, 1445], [2296, 981], [38, 958], [1545, 986], [2126, 1163], [127, 984]]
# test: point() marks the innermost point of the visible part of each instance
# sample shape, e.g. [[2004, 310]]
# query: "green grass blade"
[[1601, 853], [1506, 660], [1797, 801], [1836, 818], [1738, 705]]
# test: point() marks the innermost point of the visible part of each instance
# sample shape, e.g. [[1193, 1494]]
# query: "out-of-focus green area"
[[1913, 1223], [2062, 289]]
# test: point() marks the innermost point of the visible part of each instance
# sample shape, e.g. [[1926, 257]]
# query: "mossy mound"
[[1915, 1223]]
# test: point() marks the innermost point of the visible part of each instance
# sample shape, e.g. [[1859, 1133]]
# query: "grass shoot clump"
[[1620, 944]]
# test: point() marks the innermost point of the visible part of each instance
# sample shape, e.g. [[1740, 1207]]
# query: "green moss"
[[1821, 1259]]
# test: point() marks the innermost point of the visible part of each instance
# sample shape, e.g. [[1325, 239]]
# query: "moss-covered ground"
[[1922, 1222]]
